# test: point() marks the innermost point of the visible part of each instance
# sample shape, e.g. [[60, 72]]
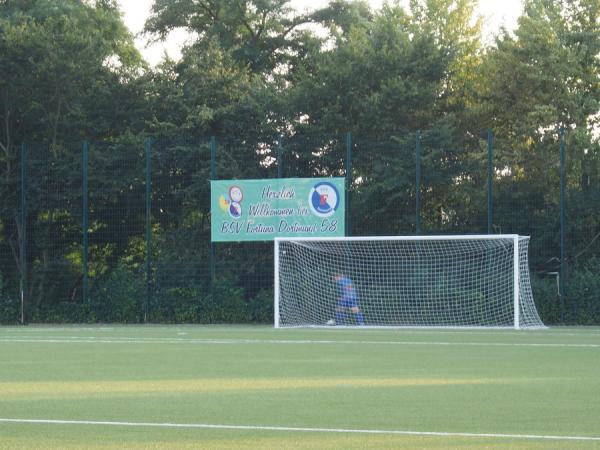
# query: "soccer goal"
[[405, 281]]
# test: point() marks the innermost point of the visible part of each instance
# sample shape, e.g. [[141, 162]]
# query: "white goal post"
[[404, 281]]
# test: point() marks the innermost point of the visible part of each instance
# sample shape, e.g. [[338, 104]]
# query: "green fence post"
[[148, 147], [418, 183], [85, 219], [348, 184], [213, 176], [490, 175], [23, 246], [280, 157], [563, 265]]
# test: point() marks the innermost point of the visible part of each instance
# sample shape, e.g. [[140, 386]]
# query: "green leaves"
[[257, 34], [254, 70], [547, 74], [59, 58]]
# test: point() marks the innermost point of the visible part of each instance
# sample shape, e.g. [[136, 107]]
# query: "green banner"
[[261, 210]]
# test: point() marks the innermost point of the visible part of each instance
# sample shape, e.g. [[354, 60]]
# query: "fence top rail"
[[405, 238]]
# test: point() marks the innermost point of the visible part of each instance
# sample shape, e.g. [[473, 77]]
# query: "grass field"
[[236, 387]]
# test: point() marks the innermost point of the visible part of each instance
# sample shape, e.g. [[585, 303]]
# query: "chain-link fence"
[[120, 231]]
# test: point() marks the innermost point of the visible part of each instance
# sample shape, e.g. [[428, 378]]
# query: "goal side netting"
[[427, 281]]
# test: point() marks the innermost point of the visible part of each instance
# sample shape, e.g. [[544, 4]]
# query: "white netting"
[[434, 281]]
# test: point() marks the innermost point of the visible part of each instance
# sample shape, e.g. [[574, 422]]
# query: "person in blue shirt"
[[348, 300]]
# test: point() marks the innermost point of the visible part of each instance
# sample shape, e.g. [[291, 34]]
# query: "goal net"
[[425, 281]]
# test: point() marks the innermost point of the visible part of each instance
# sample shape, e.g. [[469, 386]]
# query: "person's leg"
[[359, 315]]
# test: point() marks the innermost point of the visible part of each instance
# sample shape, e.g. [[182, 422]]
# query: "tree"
[[69, 73], [60, 58], [546, 76], [389, 74], [260, 35], [207, 94], [540, 80]]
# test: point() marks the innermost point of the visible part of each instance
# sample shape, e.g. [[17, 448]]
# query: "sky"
[[495, 14]]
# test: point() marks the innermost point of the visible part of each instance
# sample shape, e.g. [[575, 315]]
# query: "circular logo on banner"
[[232, 201], [324, 199], [236, 194], [235, 210]]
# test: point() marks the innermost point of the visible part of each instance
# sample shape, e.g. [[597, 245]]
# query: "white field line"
[[507, 331], [551, 331], [298, 429], [137, 340], [187, 329]]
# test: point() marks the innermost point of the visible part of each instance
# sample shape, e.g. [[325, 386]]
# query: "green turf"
[[541, 383]]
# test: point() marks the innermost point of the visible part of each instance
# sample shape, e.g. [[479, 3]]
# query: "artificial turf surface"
[[258, 387]]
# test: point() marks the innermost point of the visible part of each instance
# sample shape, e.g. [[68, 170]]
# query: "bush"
[[118, 298], [260, 308], [228, 304], [10, 306], [63, 312], [583, 294], [546, 298], [194, 304], [176, 305]]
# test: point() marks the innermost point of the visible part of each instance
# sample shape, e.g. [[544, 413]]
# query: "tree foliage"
[[69, 73], [64, 65], [260, 35], [539, 81], [261, 77]]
